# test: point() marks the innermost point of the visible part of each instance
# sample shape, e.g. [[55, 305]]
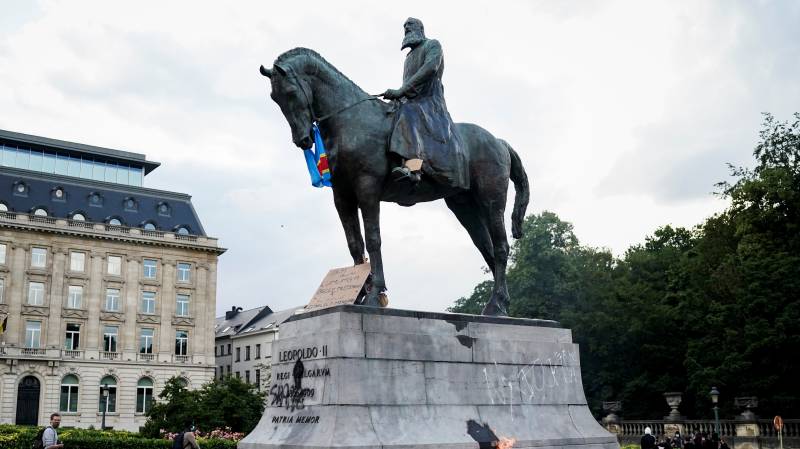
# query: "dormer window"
[[77, 216], [40, 212], [95, 199], [182, 230], [115, 221], [164, 209], [58, 194], [130, 204], [20, 189], [149, 226]]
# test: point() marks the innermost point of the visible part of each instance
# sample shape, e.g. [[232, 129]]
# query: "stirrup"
[[403, 173]]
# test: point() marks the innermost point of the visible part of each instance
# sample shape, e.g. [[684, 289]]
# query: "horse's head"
[[293, 94]]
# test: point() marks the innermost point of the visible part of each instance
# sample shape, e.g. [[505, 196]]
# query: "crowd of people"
[[698, 440]]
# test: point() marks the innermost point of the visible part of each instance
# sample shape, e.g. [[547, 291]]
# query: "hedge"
[[20, 437]]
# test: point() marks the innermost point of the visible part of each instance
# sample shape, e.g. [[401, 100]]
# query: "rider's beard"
[[412, 39]]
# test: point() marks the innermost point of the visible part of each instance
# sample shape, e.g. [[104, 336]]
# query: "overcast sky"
[[625, 114]]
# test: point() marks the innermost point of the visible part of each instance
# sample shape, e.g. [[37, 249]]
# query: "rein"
[[318, 120]]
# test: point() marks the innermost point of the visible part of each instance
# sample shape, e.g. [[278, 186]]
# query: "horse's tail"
[[520, 180]]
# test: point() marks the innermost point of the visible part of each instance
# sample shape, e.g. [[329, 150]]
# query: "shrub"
[[21, 437]]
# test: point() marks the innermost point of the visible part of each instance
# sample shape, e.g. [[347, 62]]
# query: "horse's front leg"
[[369, 192], [347, 207]]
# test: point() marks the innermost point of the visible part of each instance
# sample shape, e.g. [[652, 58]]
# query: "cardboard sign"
[[340, 286]]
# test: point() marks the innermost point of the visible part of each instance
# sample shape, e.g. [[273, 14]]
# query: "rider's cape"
[[423, 128]]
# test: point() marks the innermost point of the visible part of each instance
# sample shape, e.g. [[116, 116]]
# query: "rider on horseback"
[[424, 135]]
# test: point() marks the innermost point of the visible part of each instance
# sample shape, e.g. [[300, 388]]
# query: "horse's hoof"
[[383, 300], [371, 300], [494, 309]]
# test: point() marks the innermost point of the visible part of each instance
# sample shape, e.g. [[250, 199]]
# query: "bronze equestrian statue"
[[370, 144]]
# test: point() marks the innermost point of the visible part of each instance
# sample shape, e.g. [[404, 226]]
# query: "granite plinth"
[[360, 377]]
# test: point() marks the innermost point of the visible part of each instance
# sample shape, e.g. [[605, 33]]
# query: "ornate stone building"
[[104, 285]]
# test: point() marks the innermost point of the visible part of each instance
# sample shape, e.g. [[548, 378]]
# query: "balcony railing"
[[182, 358], [72, 354], [33, 351], [40, 219], [145, 357], [79, 224], [109, 355]]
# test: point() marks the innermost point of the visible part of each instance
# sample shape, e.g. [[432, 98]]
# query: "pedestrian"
[[648, 440], [677, 441], [189, 438], [688, 443], [723, 444], [49, 436]]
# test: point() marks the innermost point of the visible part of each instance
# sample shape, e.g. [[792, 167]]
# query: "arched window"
[[40, 212], [149, 226], [144, 395], [114, 221], [3, 207], [182, 230], [77, 216], [69, 394], [108, 401]]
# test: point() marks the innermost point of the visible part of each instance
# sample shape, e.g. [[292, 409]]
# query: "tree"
[[686, 310], [228, 402]]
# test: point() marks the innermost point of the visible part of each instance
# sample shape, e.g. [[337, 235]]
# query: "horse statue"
[[356, 127]]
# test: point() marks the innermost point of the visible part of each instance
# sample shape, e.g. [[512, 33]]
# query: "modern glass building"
[[54, 178]]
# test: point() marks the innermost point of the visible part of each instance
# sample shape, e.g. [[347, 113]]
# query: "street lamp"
[[714, 393], [104, 391]]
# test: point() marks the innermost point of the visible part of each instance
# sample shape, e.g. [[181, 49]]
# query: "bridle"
[[314, 118]]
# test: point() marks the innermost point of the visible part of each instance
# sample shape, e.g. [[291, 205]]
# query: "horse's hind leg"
[[498, 304], [347, 207], [468, 214]]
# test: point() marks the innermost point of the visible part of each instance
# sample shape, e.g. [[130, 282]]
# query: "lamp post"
[[104, 391], [714, 393]]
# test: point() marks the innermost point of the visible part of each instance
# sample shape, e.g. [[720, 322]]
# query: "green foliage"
[[687, 309], [229, 402], [21, 437]]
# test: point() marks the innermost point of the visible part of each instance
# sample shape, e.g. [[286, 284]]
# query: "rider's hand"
[[393, 94]]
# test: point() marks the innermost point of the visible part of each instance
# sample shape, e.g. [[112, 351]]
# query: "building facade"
[[104, 285], [244, 343]]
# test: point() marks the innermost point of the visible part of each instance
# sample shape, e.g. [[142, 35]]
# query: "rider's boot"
[[410, 171]]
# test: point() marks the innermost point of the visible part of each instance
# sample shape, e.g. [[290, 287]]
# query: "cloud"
[[624, 114]]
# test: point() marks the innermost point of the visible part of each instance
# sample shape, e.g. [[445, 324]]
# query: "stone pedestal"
[[359, 377]]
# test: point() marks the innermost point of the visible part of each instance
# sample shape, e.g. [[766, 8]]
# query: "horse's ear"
[[266, 72], [280, 70]]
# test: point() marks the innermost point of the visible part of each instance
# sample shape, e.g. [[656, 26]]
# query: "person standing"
[[688, 443], [677, 441], [50, 435], [189, 439], [648, 440]]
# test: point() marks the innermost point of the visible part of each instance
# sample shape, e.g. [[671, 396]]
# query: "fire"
[[505, 443]]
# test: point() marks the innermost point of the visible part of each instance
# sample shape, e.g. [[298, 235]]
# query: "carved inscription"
[[302, 354], [283, 419]]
